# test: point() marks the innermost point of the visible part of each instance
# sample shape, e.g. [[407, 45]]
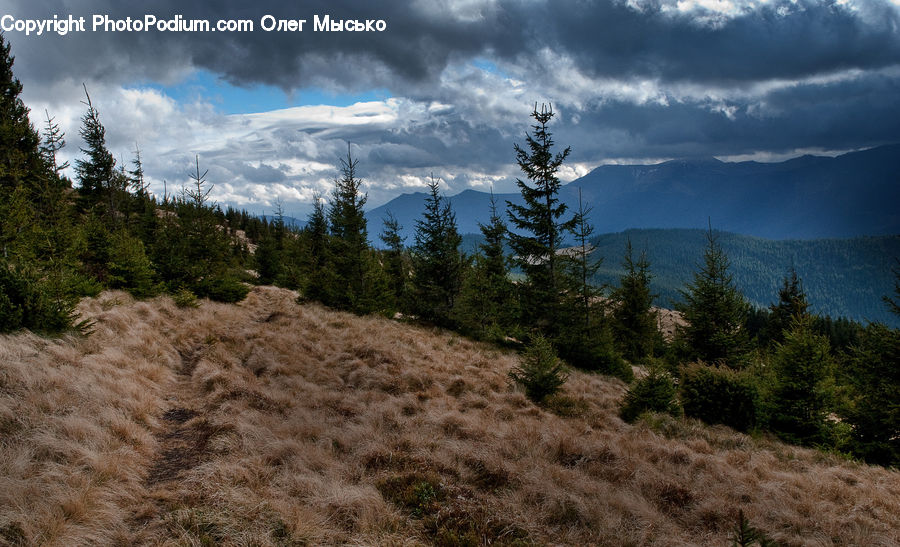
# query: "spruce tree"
[[487, 298], [634, 321], [21, 160], [316, 232], [349, 242], [791, 305], [714, 311], [96, 172], [802, 365], [395, 266], [872, 407], [436, 260], [540, 225], [894, 303]]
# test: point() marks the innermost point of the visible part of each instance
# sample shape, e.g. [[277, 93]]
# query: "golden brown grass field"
[[272, 423]]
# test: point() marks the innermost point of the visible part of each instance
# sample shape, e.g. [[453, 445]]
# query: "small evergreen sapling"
[[541, 373]]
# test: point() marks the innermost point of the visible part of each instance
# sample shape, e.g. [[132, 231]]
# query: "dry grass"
[[269, 423]]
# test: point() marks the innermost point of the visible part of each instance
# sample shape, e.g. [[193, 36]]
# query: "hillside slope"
[[271, 423]]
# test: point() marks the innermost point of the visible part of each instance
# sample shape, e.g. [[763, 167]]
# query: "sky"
[[447, 87]]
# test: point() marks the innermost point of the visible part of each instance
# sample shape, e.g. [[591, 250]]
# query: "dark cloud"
[[629, 79], [782, 39]]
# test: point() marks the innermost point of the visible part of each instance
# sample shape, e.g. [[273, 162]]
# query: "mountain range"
[[807, 197]]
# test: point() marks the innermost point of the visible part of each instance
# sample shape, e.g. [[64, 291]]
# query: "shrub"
[[596, 356], [28, 301], [222, 288], [184, 298], [655, 393], [540, 373], [718, 395]]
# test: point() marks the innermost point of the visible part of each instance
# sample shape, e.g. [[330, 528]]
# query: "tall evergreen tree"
[[634, 321], [54, 141], [585, 266], [349, 243], [715, 312], [21, 161], [395, 266], [487, 297], [96, 172], [316, 231], [792, 304], [894, 303], [437, 263], [539, 224], [802, 364]]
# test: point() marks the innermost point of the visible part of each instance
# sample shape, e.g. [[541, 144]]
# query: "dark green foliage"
[[540, 372], [437, 263], [715, 312], [654, 393], [221, 287], [745, 535], [593, 351], [634, 322], [894, 303], [316, 232], [348, 246], [128, 266], [96, 173], [719, 395], [27, 301], [396, 263], [872, 406], [487, 306], [802, 364], [791, 305], [539, 226], [841, 277]]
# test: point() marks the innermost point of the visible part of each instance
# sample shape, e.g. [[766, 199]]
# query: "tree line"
[[61, 240]]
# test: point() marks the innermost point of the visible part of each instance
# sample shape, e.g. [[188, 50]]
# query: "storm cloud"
[[634, 80]]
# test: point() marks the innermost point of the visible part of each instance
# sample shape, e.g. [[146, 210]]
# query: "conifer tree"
[[791, 305], [715, 312], [316, 231], [634, 321], [96, 172], [21, 161], [395, 261], [437, 263], [487, 297], [872, 407], [539, 224], [54, 141], [802, 364], [894, 303], [349, 243]]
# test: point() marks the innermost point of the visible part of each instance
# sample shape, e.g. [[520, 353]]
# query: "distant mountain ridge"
[[808, 197]]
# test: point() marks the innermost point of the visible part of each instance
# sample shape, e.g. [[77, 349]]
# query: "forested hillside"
[[841, 277]]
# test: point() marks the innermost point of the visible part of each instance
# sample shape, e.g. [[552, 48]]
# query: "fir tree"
[[802, 364], [395, 266], [54, 141], [95, 173], [872, 407], [634, 321], [539, 224], [349, 242], [540, 373], [894, 303], [487, 298], [316, 232], [21, 161], [791, 305], [437, 264], [715, 312]]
